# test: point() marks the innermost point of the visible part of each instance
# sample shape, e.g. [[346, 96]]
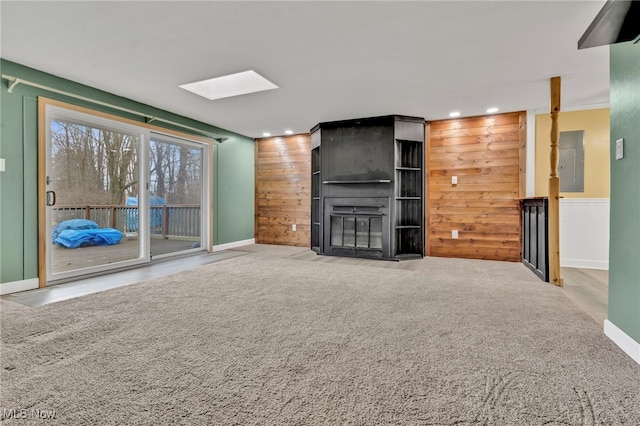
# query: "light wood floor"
[[588, 288], [95, 284]]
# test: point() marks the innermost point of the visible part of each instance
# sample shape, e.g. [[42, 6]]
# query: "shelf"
[[408, 227], [340, 182], [408, 156], [408, 141], [408, 198]]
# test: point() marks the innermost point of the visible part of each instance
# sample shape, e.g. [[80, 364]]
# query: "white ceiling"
[[332, 60]]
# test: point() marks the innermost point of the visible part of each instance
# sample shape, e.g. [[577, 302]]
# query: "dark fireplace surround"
[[367, 188]]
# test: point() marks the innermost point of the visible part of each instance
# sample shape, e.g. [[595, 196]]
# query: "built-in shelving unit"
[[315, 199], [409, 163]]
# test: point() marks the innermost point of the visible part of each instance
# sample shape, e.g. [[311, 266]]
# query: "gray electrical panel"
[[571, 166]]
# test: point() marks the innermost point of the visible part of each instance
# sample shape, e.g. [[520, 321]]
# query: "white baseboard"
[[623, 340], [16, 286], [587, 264], [234, 244]]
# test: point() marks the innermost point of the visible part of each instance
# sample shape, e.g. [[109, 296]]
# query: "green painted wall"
[[624, 251], [238, 186], [233, 176]]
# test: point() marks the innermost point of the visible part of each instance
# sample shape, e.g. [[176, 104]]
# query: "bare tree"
[[120, 155], [100, 166], [90, 165]]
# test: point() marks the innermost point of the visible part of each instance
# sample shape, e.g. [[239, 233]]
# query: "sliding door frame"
[[46, 106], [206, 188]]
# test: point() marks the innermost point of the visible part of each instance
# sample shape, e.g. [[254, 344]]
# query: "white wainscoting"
[[584, 233]]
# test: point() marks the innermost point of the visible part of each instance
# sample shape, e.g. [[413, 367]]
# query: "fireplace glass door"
[[357, 227], [356, 231]]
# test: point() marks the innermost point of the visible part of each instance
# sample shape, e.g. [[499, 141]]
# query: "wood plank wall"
[[283, 190], [487, 154]]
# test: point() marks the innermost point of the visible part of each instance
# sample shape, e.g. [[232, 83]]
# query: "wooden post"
[[165, 221], [112, 213], [554, 188]]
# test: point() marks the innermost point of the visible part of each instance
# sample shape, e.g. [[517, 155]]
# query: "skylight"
[[226, 86]]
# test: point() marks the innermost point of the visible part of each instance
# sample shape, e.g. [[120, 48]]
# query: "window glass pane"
[[362, 232], [376, 232], [349, 232], [175, 183], [336, 230], [93, 171]]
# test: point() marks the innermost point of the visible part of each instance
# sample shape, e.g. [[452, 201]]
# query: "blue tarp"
[[71, 238], [132, 215], [74, 224]]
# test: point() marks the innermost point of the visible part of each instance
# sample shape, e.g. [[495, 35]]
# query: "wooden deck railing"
[[167, 220]]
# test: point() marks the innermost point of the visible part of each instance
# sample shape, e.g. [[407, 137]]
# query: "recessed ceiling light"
[[230, 85], [266, 134], [492, 110], [288, 132], [454, 114]]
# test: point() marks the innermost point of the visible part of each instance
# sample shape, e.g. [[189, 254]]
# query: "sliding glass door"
[[92, 167], [176, 192], [117, 194]]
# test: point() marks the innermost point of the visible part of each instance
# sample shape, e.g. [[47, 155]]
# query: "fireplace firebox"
[[357, 227], [367, 188]]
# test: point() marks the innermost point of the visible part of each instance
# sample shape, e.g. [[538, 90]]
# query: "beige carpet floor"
[[280, 337]]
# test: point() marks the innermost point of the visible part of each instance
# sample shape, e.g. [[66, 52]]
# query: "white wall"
[[531, 154], [584, 233]]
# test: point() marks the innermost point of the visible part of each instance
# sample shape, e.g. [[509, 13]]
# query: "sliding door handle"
[[51, 198]]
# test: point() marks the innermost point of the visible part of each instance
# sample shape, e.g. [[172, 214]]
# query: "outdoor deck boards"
[[66, 259]]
